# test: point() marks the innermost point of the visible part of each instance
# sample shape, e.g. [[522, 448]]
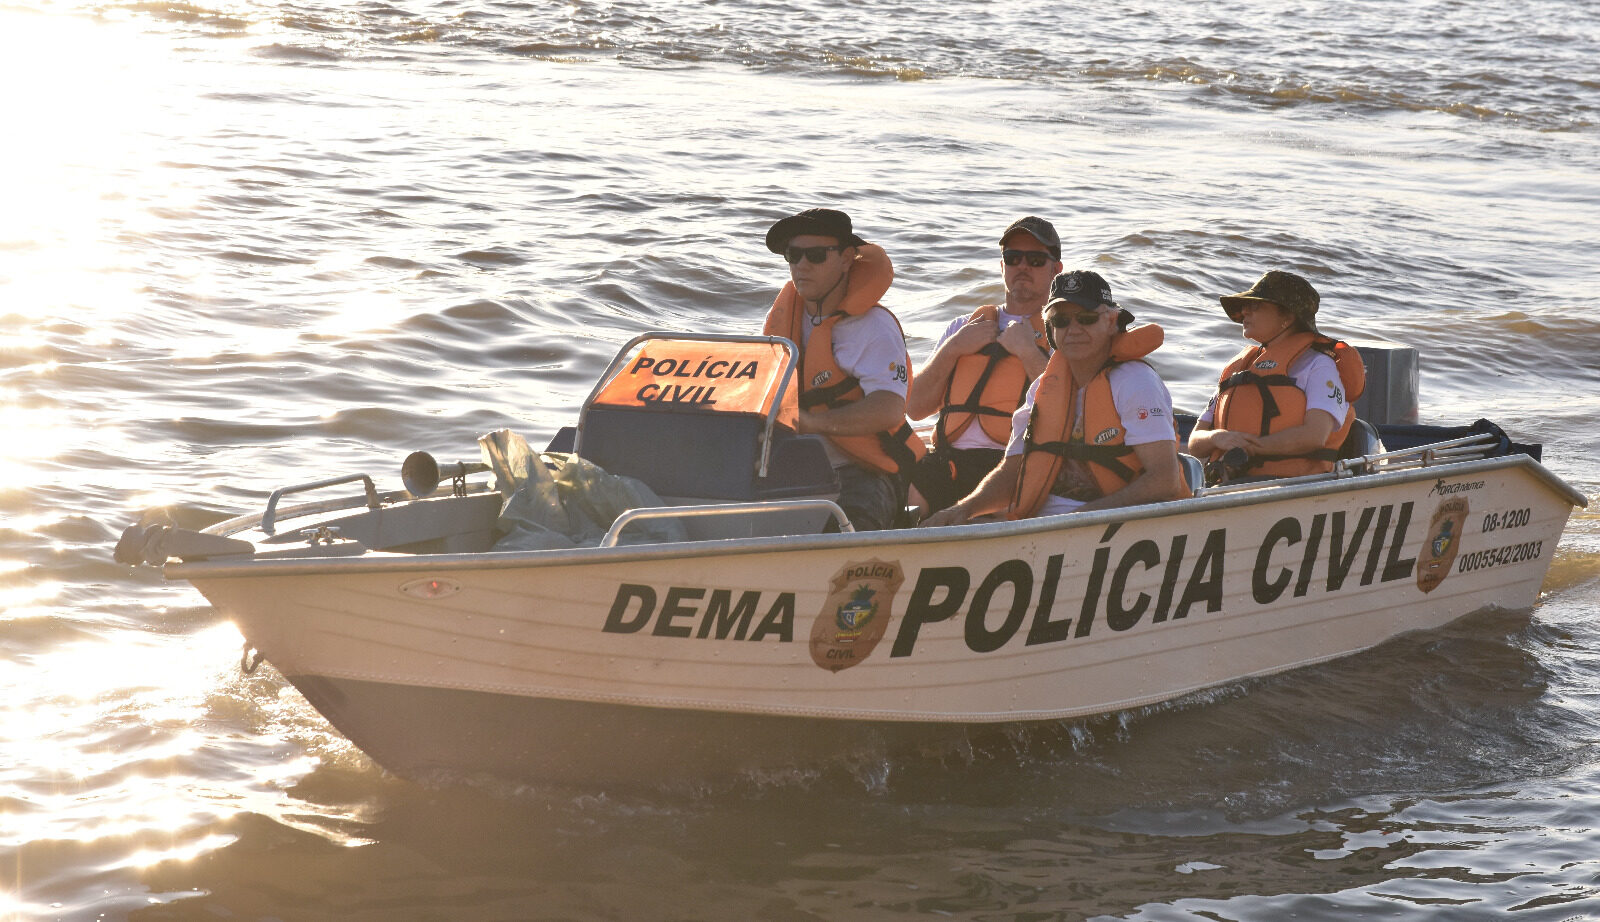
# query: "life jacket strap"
[[831, 396], [995, 353], [1107, 456], [1264, 385], [1059, 449], [897, 446], [1320, 454]]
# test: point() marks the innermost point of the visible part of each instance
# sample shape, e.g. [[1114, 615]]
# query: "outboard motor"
[[1390, 397]]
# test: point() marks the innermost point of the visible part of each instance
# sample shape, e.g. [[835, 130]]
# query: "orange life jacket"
[[1049, 441], [1256, 395], [986, 387], [823, 384]]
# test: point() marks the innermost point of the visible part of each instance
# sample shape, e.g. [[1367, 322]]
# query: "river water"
[[249, 245]]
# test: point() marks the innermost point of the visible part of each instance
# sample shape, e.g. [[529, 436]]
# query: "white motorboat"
[[764, 637]]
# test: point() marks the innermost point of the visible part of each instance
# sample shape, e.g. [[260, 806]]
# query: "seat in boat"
[[701, 419], [1185, 423], [1361, 440], [691, 458], [709, 420], [1194, 473], [701, 456]]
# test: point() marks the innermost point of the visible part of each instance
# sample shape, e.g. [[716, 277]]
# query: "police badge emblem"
[[1441, 543], [856, 613]]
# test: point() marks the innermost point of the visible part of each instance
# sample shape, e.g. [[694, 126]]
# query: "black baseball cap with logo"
[[1041, 230], [1085, 288], [824, 222]]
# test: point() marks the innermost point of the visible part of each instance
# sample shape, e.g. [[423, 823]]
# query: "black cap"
[[824, 222], [1085, 289], [1042, 231]]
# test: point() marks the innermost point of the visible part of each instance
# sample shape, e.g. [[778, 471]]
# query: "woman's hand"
[[1224, 439]]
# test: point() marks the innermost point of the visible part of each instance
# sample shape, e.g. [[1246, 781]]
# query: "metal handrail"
[[1467, 447], [668, 512], [790, 353], [268, 517], [1451, 450]]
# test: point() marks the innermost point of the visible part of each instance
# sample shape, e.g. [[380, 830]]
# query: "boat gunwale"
[[1318, 485]]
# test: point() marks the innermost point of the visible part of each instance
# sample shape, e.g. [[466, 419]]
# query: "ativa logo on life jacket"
[[1266, 364], [821, 378], [1106, 435]]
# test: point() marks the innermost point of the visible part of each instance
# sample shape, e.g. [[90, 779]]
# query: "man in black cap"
[[853, 361], [1095, 430], [983, 363]]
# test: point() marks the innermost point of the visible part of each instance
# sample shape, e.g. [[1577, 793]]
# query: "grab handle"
[[671, 512], [268, 517]]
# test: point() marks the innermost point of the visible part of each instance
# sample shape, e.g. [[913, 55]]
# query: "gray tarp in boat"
[[559, 500]]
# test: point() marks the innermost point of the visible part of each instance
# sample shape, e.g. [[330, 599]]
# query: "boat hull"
[[429, 734], [666, 663]]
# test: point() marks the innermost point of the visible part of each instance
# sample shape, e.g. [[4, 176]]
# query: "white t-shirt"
[[871, 347], [1317, 375], [975, 437], [1141, 399]]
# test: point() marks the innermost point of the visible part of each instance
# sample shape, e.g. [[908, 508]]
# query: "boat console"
[[707, 420], [700, 456]]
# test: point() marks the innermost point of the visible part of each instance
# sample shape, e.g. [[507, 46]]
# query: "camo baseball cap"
[[1285, 289]]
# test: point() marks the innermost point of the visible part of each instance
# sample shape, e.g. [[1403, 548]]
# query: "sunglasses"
[[1035, 258], [816, 254], [1084, 318]]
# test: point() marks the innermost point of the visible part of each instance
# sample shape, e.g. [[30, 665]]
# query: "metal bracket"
[[322, 534]]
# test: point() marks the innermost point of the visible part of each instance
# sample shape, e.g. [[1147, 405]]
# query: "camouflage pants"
[[871, 499]]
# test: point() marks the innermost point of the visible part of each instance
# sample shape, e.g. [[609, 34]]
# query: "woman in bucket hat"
[[1282, 407]]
